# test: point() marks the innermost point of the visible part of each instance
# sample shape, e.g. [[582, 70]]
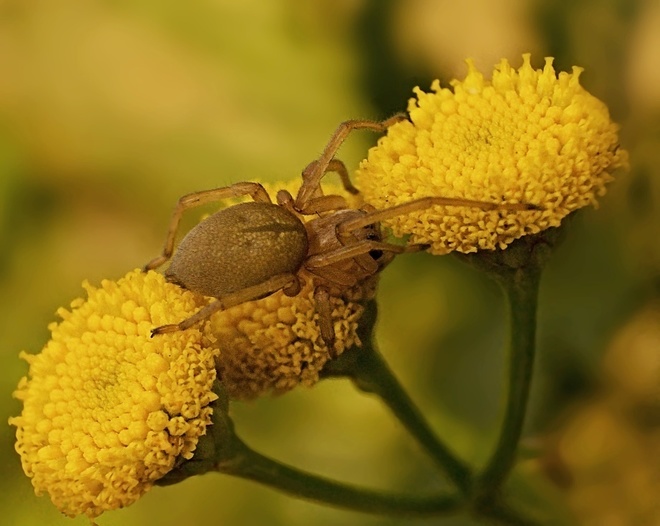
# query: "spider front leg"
[[254, 190], [376, 216], [319, 203], [335, 165], [325, 266], [289, 283], [317, 169], [324, 310], [354, 251]]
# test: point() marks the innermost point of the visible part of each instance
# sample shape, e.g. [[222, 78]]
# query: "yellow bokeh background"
[[110, 110]]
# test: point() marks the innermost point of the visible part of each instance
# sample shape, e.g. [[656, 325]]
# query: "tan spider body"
[[239, 247], [251, 250]]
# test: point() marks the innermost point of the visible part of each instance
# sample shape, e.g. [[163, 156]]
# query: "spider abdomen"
[[238, 247]]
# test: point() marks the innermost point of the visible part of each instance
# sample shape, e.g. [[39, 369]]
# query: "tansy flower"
[[525, 136], [275, 344], [108, 410]]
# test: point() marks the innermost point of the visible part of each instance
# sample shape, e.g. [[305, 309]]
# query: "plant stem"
[[248, 464], [521, 288], [368, 370]]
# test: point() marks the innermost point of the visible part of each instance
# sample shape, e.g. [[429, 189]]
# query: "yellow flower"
[[275, 344], [525, 136], [107, 410]]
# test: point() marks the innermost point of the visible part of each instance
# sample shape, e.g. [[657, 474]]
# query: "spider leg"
[[318, 205], [376, 216], [317, 202], [318, 168], [324, 310], [335, 165], [268, 287], [354, 251], [254, 190]]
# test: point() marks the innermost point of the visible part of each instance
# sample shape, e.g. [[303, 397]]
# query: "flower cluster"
[[528, 136], [108, 410]]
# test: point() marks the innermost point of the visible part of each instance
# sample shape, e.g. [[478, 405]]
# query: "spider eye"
[[376, 254]]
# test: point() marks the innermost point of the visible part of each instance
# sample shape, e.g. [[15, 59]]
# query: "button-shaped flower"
[[108, 410], [527, 136], [274, 344]]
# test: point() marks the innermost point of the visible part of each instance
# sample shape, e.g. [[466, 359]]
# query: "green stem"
[[366, 367], [221, 450], [521, 287], [498, 512], [248, 464]]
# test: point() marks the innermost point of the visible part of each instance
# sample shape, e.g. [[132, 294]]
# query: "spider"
[[253, 249]]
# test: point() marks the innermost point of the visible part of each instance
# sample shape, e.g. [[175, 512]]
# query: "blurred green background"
[[110, 110]]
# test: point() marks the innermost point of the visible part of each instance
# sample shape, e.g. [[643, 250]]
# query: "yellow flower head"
[[525, 136], [107, 410], [275, 344]]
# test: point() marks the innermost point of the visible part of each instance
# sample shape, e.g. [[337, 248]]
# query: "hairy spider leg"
[[316, 170], [352, 251], [376, 216], [255, 292], [335, 165], [323, 308], [256, 191], [318, 202], [321, 265]]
